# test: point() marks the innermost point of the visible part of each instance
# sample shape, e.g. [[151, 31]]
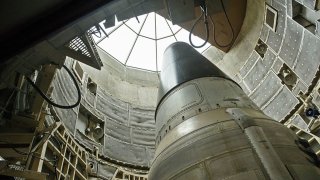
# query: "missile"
[[208, 128]]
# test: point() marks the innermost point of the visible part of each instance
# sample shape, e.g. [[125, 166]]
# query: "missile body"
[[207, 128]]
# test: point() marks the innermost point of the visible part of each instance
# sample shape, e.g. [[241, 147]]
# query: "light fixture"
[[288, 77], [98, 131]]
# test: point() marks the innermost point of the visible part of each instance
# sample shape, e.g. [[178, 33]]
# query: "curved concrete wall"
[[231, 62], [291, 47], [128, 84], [132, 92], [129, 128]]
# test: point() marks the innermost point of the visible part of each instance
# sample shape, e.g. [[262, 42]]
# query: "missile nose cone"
[[182, 63]]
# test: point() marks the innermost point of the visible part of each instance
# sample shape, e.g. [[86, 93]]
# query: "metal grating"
[[18, 168], [78, 45]]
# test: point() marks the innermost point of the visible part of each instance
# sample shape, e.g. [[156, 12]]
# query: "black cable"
[[53, 103], [205, 15], [20, 152], [97, 32], [214, 31]]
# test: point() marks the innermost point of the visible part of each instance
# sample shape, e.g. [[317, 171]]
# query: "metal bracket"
[[243, 118]]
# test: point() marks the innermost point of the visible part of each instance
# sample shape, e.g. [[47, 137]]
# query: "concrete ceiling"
[[42, 19]]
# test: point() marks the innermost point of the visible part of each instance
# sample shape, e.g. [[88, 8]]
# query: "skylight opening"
[[140, 42]]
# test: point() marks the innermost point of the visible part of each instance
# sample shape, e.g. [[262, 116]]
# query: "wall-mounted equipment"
[[261, 48], [92, 86], [92, 166], [271, 17], [82, 48], [312, 112], [95, 129], [288, 77]]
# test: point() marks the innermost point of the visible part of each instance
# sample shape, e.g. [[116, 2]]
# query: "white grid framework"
[[140, 42]]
